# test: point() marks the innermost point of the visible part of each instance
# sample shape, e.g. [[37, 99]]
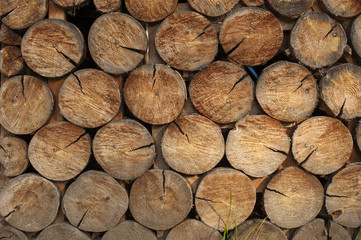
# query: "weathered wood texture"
[[358, 135], [187, 41], [11, 62], [287, 91], [257, 145], [155, 93], [312, 230], [8, 36], [151, 10], [253, 3], [290, 8], [95, 202], [258, 229], [341, 9], [251, 36], [355, 36], [108, 5], [26, 103], [193, 229], [222, 92], [13, 155], [70, 3], [337, 232], [55, 11], [129, 230], [29, 202], [9, 232], [61, 231], [120, 46], [213, 8]]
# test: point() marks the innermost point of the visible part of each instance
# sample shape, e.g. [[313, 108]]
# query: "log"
[[291, 9], [8, 36], [53, 47], [258, 229], [155, 93], [9, 232], [129, 230], [312, 230], [340, 89], [61, 231], [257, 145], [341, 10], [287, 91], [11, 62], [95, 202], [151, 11], [13, 156], [253, 3], [89, 98], [213, 8], [187, 41], [193, 229], [193, 144], [222, 92], [26, 103], [293, 198], [71, 3], [358, 135], [106, 6], [29, 202], [160, 199], [251, 36], [119, 47], [326, 45], [337, 232], [355, 36], [212, 199]]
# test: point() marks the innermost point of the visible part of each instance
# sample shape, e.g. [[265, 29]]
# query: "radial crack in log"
[[275, 191], [238, 81], [145, 146], [275, 150], [335, 196], [303, 79], [2, 148], [154, 75], [332, 28], [8, 237], [202, 33], [163, 175], [134, 50], [71, 61], [23, 87], [308, 157], [82, 218], [76, 140], [17, 207], [179, 128], [79, 83], [341, 109], [235, 47], [207, 200]]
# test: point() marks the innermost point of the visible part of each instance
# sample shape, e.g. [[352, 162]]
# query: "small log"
[[25, 104], [151, 11], [13, 156], [53, 47], [257, 145], [160, 199], [55, 11], [355, 36], [106, 6], [251, 36], [61, 231], [253, 3], [293, 198], [343, 197], [340, 89], [187, 41], [213, 8], [193, 229], [212, 199], [29, 202], [95, 202], [358, 135], [312, 230], [11, 62], [155, 93], [337, 232], [222, 92], [326, 45], [119, 47], [129, 230], [290, 8], [193, 144], [8, 36], [258, 229], [70, 3], [287, 91], [341, 9], [9, 232]]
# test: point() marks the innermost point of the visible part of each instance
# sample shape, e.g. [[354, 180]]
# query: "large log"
[[129, 230], [108, 5], [193, 229], [151, 10], [258, 229], [61, 231], [8, 36], [355, 35], [337, 232], [290, 8], [341, 9], [312, 230], [11, 233], [213, 8], [13, 155], [11, 62]]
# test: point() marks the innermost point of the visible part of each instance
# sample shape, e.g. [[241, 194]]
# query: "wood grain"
[[151, 10], [355, 35], [213, 8], [61, 231], [193, 229], [358, 135], [11, 62], [256, 229], [312, 230], [9, 232], [13, 155], [129, 230], [8, 36], [107, 5], [290, 8], [341, 9], [71, 3]]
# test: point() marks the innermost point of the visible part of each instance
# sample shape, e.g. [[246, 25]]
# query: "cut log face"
[[13, 156], [251, 36], [89, 98], [337, 232], [293, 198], [253, 3], [53, 47], [326, 45], [155, 93], [355, 35], [120, 46], [129, 230], [29, 202], [312, 230], [213, 8], [108, 5], [11, 62], [25, 104], [258, 229], [287, 91], [341, 9], [187, 41], [8, 36], [151, 10], [258, 145], [193, 229], [61, 231], [212, 199], [290, 8], [95, 202], [343, 197], [9, 232], [70, 3], [222, 92], [160, 199], [340, 90], [358, 135]]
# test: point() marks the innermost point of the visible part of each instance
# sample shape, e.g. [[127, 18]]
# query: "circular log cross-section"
[[61, 231], [120, 46], [29, 202], [340, 90], [213, 8], [124, 149], [187, 41], [11, 62], [256, 229], [325, 46], [129, 230], [25, 104], [212, 199], [13, 156], [70, 3], [287, 91], [290, 8], [312, 230], [95, 202], [293, 198], [193, 229], [258, 145], [89, 98], [341, 9], [53, 47], [160, 199], [155, 93], [151, 10], [343, 197], [251, 36], [106, 6], [11, 233], [356, 35], [222, 92], [192, 144], [8, 36]]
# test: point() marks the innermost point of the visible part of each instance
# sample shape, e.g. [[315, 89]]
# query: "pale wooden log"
[[358, 135], [11, 233], [337, 232], [26, 103], [193, 229], [71, 3], [151, 10], [212, 199], [13, 155], [108, 5], [355, 35], [160, 199], [157, 134], [222, 92], [29, 202], [119, 47], [258, 229], [312, 230], [55, 11], [8, 36], [257, 145], [293, 198], [213, 8], [95, 202], [253, 3], [341, 9], [290, 8], [287, 91], [129, 230], [11, 61], [61, 231]]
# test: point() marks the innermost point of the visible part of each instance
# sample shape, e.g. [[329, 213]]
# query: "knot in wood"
[[54, 45]]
